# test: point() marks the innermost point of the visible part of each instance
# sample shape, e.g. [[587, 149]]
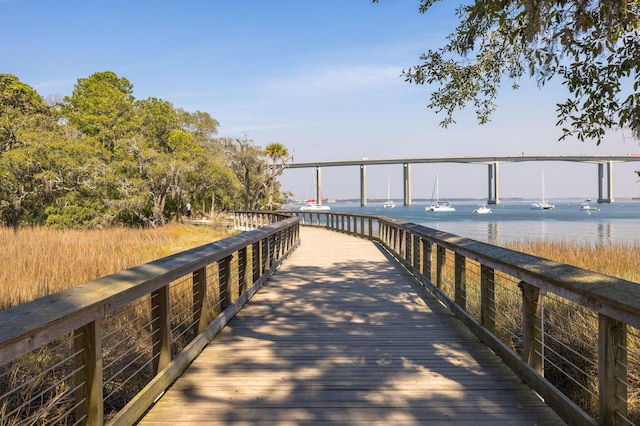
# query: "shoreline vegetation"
[[40, 261], [619, 260]]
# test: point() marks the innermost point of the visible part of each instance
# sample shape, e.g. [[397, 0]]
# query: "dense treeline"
[[100, 157]]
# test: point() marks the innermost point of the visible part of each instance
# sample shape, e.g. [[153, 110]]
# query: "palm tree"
[[276, 152]]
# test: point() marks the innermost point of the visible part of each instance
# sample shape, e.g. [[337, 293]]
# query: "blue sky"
[[320, 77]]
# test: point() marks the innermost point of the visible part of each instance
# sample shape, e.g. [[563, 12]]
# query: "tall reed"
[[617, 260], [35, 262]]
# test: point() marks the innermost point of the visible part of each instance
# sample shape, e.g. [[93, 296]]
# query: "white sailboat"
[[389, 204], [482, 209], [313, 204], [439, 206], [543, 204]]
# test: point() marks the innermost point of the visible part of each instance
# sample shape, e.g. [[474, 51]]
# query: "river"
[[618, 222]]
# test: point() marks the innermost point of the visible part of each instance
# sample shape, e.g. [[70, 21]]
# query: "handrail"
[[127, 336], [483, 284]]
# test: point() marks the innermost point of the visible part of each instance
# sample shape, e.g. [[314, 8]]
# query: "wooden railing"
[[570, 333], [102, 352]]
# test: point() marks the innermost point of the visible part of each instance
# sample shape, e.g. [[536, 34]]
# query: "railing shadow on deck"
[[357, 318], [103, 351], [570, 334]]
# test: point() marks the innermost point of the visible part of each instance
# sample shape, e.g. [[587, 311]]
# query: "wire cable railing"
[[571, 334], [104, 351]]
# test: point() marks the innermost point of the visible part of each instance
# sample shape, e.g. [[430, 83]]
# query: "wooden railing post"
[[161, 329], [394, 237], [224, 280], [273, 249], [256, 261], [277, 245], [425, 263], [532, 300], [416, 252], [487, 299], [266, 254], [612, 361], [460, 265], [88, 377], [441, 261], [199, 278]]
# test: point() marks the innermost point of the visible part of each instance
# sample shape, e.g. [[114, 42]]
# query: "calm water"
[[514, 220]]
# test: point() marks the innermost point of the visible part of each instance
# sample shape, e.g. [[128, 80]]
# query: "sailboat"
[[543, 204], [389, 204], [439, 206], [312, 204], [482, 209]]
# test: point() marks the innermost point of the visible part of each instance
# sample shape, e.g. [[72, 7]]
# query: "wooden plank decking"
[[339, 335]]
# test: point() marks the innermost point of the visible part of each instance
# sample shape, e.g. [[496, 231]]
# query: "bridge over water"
[[604, 163], [358, 319]]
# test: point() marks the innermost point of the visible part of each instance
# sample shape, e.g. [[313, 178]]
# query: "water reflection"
[[493, 232], [605, 233]]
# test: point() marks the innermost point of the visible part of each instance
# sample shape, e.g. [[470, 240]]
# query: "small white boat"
[[483, 209], [543, 204], [585, 207], [315, 207], [439, 206], [389, 204]]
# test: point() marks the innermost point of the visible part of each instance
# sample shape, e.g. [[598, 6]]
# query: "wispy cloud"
[[336, 80]]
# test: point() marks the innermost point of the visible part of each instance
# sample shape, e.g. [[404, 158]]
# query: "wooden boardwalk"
[[340, 335]]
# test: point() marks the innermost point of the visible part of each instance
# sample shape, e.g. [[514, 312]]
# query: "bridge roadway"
[[341, 335], [604, 162]]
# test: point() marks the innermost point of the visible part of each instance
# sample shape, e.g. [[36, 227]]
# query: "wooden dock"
[[340, 335]]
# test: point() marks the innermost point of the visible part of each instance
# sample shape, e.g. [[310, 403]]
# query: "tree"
[[21, 108], [27, 126], [276, 152], [101, 107], [100, 158], [157, 119], [247, 162], [593, 46], [200, 124]]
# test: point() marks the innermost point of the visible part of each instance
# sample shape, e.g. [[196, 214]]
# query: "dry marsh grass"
[[617, 260], [575, 327], [36, 262]]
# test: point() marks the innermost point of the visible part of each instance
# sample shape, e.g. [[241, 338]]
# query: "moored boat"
[[389, 204], [585, 207], [315, 207], [542, 204], [482, 209], [437, 205]]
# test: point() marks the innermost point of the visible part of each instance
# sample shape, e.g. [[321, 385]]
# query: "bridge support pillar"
[[605, 183], [406, 169], [318, 185], [494, 186], [363, 185]]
